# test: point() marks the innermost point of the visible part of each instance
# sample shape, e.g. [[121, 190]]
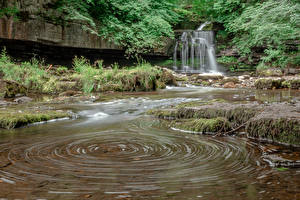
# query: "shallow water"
[[114, 151]]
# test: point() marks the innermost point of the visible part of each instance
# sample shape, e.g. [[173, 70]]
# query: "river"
[[115, 151]]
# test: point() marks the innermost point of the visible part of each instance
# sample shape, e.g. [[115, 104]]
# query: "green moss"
[[163, 114], [268, 83], [277, 130], [203, 125], [286, 84], [205, 83], [13, 118], [198, 103]]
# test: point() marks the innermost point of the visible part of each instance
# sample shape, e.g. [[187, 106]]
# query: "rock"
[[268, 83], [244, 77], [270, 72], [292, 71], [206, 77], [4, 103], [229, 85], [23, 100], [13, 88], [229, 52], [230, 79], [70, 93]]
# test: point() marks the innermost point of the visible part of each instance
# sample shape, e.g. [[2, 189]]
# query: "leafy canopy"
[[137, 25]]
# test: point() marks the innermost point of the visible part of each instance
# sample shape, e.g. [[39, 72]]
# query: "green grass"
[[30, 74], [89, 78]]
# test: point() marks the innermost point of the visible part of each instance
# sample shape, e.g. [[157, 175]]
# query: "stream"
[[115, 151]]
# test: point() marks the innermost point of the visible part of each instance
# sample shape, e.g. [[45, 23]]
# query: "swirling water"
[[114, 151]]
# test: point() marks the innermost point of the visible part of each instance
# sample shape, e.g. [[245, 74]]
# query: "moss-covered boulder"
[[202, 125], [13, 117], [13, 88], [268, 83], [281, 130], [269, 72]]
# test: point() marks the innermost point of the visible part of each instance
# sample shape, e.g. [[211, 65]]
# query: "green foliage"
[[29, 74], [9, 11], [282, 169], [227, 59], [82, 66], [61, 70], [270, 25], [136, 25]]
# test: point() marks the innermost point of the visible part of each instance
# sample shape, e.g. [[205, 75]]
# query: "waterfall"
[[203, 25], [197, 51]]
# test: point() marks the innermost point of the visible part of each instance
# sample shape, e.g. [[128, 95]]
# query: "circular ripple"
[[137, 158]]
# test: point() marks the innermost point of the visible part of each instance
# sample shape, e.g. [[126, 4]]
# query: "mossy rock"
[[160, 85], [230, 79], [295, 84], [13, 118], [278, 130], [270, 72], [202, 125], [13, 88], [268, 83], [163, 114], [168, 78]]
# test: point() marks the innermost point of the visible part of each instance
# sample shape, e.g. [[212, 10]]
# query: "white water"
[[197, 51], [203, 25]]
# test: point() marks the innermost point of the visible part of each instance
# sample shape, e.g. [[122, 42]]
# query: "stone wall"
[[40, 23]]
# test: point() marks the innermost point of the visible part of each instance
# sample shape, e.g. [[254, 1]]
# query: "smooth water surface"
[[114, 151]]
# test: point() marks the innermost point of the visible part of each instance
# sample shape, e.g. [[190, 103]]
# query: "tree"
[[139, 26]]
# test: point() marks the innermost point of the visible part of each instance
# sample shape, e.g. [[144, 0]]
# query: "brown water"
[[114, 151]]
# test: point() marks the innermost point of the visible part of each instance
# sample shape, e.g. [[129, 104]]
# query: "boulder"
[[23, 100], [229, 85], [13, 88]]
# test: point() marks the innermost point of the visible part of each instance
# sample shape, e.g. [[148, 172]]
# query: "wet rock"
[[206, 77], [235, 80], [70, 93], [244, 77], [268, 83], [229, 85], [23, 100], [4, 103]]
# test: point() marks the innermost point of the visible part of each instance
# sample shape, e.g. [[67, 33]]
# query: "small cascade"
[[197, 52]]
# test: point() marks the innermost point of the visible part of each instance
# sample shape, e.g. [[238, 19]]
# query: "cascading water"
[[197, 51]]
